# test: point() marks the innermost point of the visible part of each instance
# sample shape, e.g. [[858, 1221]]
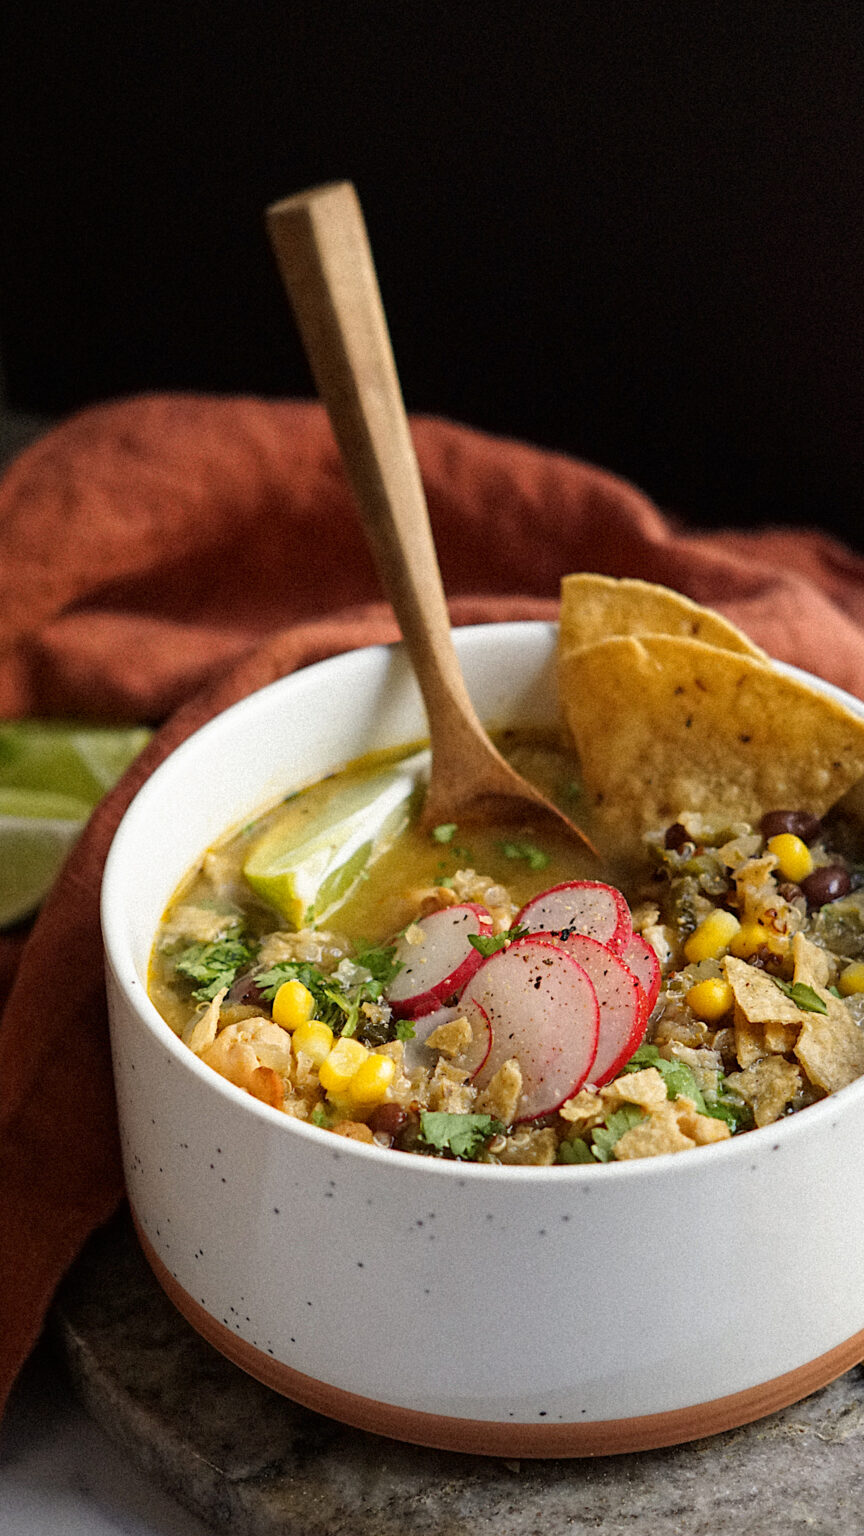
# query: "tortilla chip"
[[703, 1129], [812, 965], [758, 995], [594, 607], [645, 1088], [585, 1110], [501, 1097], [767, 1086], [830, 1046], [659, 1132], [666, 724]]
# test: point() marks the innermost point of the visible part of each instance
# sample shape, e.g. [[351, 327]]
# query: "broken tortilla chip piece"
[[767, 1086], [812, 965], [659, 1132], [830, 1046], [666, 723], [758, 996], [645, 1088], [594, 607]]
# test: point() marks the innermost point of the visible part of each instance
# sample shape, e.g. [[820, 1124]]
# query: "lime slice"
[[308, 863], [52, 774], [37, 829], [84, 761]]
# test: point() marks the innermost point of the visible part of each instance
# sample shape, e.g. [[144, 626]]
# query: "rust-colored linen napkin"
[[162, 557]]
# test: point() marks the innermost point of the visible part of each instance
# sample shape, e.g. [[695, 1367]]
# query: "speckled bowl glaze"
[[507, 1311]]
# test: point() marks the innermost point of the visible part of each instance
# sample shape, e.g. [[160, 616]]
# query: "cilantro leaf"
[[405, 1030], [574, 1150], [463, 1136], [534, 856], [802, 996], [490, 943], [444, 832], [213, 965], [605, 1136]]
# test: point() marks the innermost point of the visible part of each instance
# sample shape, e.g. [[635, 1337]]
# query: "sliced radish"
[[640, 958], [621, 999], [435, 969], [586, 906], [542, 1010]]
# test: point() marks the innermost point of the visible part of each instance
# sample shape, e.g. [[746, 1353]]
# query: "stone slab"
[[253, 1464]]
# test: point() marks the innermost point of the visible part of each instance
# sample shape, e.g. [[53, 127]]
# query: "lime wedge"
[[37, 829], [307, 864], [52, 774], [84, 761]]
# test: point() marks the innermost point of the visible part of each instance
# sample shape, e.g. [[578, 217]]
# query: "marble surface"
[[61, 1475], [243, 1460]]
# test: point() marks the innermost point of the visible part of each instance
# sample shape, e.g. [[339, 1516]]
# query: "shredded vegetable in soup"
[[494, 994]]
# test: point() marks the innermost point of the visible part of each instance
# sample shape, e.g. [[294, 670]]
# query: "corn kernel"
[[713, 935], [753, 936], [337, 1070], [293, 1004], [794, 859], [852, 979], [371, 1081], [314, 1039], [711, 999]]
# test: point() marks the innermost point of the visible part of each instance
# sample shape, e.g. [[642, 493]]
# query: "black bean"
[[828, 883], [387, 1120], [800, 823], [676, 836], [245, 989]]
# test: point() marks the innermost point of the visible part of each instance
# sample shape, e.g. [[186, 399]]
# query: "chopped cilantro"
[[490, 943], [214, 965], [574, 1151], [681, 1083], [405, 1030], [726, 1106], [463, 1136], [678, 1077], [338, 1001], [444, 832], [534, 856], [802, 996], [320, 1117], [605, 1136]]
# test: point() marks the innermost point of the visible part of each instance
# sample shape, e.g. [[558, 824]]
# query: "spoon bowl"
[[322, 250]]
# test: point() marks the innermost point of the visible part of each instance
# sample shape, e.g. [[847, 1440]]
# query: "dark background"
[[634, 232]]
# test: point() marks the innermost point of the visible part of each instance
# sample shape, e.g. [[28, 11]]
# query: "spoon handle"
[[322, 249]]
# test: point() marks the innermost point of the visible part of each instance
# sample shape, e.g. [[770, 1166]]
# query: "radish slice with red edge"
[[585, 906], [622, 1002], [436, 968], [542, 1010], [640, 958]]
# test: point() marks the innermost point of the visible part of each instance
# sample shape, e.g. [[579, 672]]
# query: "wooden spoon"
[[322, 250]]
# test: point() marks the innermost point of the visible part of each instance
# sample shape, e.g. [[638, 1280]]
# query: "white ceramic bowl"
[[509, 1311]]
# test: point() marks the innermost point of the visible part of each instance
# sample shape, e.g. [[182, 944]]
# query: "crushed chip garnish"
[[830, 1046], [767, 1086]]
